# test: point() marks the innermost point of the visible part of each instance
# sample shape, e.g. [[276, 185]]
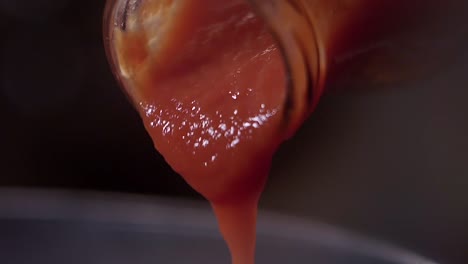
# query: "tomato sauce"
[[209, 82], [210, 93]]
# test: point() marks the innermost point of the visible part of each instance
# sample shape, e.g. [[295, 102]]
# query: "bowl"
[[60, 226]]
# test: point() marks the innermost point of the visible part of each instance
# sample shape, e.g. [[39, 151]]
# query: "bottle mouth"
[[290, 26], [303, 55]]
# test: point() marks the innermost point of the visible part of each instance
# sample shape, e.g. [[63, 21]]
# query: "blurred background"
[[390, 164]]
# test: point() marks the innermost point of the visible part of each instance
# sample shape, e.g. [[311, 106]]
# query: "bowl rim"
[[150, 212]]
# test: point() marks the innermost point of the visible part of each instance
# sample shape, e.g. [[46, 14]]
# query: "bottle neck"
[[292, 26]]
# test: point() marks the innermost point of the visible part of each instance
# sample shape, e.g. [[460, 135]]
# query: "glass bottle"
[[336, 44], [346, 44]]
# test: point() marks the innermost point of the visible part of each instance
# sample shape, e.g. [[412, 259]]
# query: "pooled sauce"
[[210, 88]]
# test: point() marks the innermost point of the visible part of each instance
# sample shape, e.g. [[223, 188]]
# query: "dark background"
[[390, 163]]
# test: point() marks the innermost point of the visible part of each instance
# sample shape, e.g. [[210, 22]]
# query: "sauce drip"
[[208, 81]]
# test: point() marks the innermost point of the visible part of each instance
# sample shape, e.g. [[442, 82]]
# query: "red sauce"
[[209, 84], [210, 96]]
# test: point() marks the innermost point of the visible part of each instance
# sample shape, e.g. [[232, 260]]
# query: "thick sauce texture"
[[209, 83]]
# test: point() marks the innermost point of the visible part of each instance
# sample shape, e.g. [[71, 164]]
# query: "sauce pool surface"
[[208, 82]]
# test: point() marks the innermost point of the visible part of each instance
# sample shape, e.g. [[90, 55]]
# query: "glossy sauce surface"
[[210, 91]]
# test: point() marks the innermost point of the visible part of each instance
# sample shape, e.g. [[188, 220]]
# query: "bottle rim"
[[303, 55]]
